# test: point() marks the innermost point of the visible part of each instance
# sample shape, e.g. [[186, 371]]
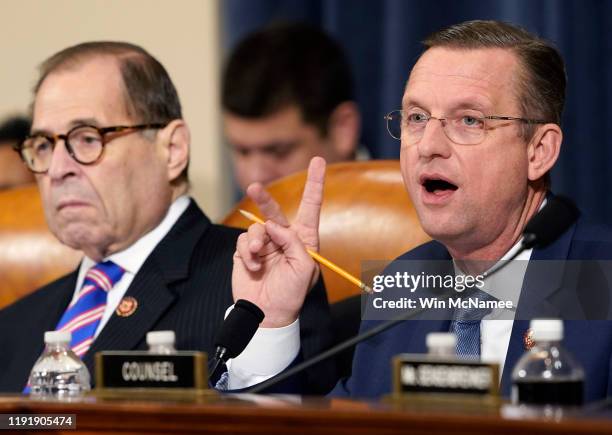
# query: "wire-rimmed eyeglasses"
[[463, 128]]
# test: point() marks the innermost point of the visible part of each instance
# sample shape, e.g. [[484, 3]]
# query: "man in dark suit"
[[550, 289], [110, 152], [480, 131]]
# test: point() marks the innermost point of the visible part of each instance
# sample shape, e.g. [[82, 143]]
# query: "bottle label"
[[548, 392]]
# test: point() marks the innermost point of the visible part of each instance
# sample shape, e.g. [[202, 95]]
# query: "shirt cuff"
[[270, 351]]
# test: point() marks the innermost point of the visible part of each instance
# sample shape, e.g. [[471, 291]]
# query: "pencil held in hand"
[[322, 260]]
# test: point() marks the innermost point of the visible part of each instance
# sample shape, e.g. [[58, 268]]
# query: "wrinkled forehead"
[[91, 89], [485, 78]]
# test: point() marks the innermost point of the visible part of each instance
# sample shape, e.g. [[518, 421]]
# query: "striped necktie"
[[83, 315], [466, 324]]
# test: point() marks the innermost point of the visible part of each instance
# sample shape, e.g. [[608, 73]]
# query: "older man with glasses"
[[480, 130], [110, 152]]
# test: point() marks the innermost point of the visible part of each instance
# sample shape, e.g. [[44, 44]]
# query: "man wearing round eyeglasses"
[[480, 130], [110, 152]]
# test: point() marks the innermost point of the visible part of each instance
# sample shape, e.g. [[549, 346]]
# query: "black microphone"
[[546, 226], [236, 332], [554, 219]]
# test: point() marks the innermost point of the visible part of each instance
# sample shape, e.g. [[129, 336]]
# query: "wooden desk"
[[292, 415]]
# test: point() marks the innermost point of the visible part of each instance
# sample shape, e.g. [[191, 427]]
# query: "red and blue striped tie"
[[83, 315]]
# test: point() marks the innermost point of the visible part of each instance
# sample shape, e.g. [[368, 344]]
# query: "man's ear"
[[344, 130], [543, 150], [176, 138]]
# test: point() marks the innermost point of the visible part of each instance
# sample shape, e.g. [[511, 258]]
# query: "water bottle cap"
[[58, 337], [547, 329], [155, 338], [441, 340]]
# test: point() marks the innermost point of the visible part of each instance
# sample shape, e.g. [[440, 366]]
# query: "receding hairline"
[[518, 76], [74, 56], [80, 60]]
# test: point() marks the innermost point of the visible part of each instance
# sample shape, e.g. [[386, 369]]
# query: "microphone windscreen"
[[548, 224], [238, 328]]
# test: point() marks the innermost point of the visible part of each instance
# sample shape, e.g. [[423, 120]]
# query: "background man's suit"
[[184, 285], [590, 341]]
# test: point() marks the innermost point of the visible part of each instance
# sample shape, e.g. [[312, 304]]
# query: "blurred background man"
[[12, 170], [287, 96]]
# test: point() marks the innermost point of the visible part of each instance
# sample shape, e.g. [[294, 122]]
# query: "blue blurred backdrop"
[[382, 41]]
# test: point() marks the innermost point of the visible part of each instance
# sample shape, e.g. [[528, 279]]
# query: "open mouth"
[[438, 186]]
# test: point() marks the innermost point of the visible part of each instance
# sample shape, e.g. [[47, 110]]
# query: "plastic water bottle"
[[547, 374], [161, 342], [58, 371], [441, 344]]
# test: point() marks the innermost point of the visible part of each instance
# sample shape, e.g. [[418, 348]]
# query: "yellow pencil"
[[324, 261]]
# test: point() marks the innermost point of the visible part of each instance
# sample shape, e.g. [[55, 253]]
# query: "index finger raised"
[[267, 204]]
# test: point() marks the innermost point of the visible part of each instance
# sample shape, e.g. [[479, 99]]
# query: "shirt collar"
[[507, 283], [132, 258]]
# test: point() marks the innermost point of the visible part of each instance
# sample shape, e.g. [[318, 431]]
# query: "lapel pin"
[[528, 340], [127, 306]]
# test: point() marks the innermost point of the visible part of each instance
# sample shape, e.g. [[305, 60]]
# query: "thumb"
[[288, 241]]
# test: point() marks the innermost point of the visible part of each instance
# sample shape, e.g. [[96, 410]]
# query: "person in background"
[[12, 171], [287, 96]]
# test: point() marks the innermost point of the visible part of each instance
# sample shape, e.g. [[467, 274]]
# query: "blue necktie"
[[466, 324], [83, 315]]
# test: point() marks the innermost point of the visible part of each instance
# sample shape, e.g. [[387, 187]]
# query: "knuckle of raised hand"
[[243, 240]]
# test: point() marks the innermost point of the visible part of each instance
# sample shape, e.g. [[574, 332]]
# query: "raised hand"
[[271, 266]]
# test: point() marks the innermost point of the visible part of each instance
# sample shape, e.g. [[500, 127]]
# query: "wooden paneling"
[[294, 415]]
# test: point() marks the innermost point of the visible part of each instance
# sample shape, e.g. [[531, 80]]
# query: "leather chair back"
[[30, 256]]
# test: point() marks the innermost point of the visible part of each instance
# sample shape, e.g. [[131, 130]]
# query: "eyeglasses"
[[467, 127], [84, 143]]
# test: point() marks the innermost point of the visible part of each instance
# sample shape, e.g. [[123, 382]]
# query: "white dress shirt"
[[269, 352], [496, 327], [132, 259]]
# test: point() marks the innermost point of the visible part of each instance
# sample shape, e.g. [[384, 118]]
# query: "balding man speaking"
[[480, 131]]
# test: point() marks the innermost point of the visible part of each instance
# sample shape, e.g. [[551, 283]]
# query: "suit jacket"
[[590, 341], [184, 285]]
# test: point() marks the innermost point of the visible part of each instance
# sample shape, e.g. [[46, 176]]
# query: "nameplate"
[[142, 370], [431, 374]]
